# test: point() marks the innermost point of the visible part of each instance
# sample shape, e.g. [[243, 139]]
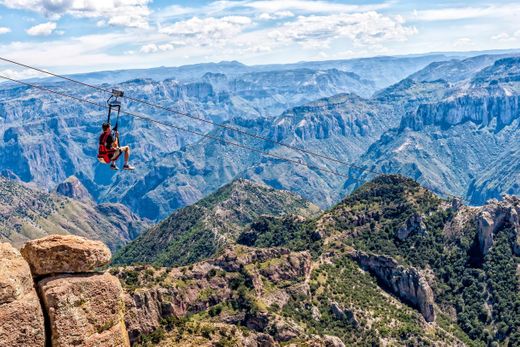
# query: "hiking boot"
[[114, 167], [128, 167]]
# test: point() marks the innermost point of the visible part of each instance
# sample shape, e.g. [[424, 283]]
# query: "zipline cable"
[[149, 119], [227, 127], [184, 114]]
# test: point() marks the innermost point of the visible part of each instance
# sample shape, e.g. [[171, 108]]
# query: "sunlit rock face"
[[21, 317]]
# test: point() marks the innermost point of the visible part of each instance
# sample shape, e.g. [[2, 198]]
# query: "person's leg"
[[126, 150], [115, 156]]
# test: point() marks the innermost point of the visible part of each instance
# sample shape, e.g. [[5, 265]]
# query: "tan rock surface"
[[15, 275], [57, 254], [85, 310], [21, 317]]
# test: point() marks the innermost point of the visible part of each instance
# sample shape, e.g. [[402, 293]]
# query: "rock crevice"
[[76, 305]]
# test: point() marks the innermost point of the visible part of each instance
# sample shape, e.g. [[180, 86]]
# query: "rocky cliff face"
[[492, 217], [456, 143], [81, 307], [408, 284], [21, 317], [208, 284]]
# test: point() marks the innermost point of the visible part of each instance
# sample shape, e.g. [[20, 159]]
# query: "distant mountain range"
[[27, 213], [459, 143], [447, 121]]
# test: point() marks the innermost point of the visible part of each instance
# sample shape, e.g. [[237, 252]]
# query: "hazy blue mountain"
[[46, 138], [383, 71], [342, 127], [446, 125], [455, 70], [460, 144]]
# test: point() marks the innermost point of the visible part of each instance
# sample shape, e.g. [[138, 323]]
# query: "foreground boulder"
[[21, 317], [58, 254], [407, 283], [85, 310]]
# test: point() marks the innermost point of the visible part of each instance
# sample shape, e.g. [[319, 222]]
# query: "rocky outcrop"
[[85, 310], [81, 307], [414, 224], [73, 188], [492, 217], [406, 283], [343, 314], [332, 341], [21, 317], [189, 290], [58, 254]]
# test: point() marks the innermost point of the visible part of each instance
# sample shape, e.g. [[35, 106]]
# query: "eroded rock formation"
[[84, 310], [57, 254], [414, 224], [407, 283], [198, 287], [73, 188], [76, 306], [21, 317], [493, 216]]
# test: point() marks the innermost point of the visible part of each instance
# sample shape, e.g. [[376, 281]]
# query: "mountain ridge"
[[27, 213], [201, 230]]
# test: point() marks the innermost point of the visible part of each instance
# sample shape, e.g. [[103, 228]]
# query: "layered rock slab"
[[21, 317], [407, 283], [85, 310], [58, 254]]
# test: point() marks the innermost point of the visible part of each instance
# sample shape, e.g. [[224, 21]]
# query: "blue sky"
[[85, 35]]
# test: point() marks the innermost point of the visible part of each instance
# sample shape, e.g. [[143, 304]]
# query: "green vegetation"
[[200, 231], [290, 232], [481, 290], [369, 315], [477, 296]]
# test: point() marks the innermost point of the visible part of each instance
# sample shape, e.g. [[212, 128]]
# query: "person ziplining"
[[109, 146]]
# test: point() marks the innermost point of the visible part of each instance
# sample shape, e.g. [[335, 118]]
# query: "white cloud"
[[154, 48], [464, 42], [368, 28], [44, 29], [129, 13], [460, 13], [503, 37], [275, 15], [4, 30], [207, 31], [21, 74], [308, 6]]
